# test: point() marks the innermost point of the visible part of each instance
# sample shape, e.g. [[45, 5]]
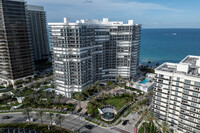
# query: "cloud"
[[113, 9], [88, 1], [108, 3]]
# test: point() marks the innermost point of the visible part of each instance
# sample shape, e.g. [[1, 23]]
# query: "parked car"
[[56, 115], [54, 123], [88, 126], [125, 122], [30, 120], [7, 117]]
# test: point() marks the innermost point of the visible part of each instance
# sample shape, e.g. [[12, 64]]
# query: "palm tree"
[[50, 117], [26, 112], [60, 119], [131, 83], [124, 83], [102, 96], [6, 97], [79, 100], [112, 86], [152, 119], [144, 115], [109, 84], [98, 88], [164, 127], [97, 83], [118, 78], [157, 64], [109, 95], [40, 114], [16, 92], [59, 99]]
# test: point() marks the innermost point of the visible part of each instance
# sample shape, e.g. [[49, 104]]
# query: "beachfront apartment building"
[[38, 31], [91, 50], [16, 61], [176, 97]]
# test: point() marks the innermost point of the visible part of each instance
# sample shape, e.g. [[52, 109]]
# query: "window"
[[184, 107], [158, 98], [187, 81], [185, 97], [197, 83], [185, 92], [186, 86], [175, 98], [194, 104], [178, 78], [192, 109], [161, 76], [173, 112], [195, 94], [194, 99]]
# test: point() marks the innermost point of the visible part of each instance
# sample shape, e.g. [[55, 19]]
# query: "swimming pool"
[[144, 81]]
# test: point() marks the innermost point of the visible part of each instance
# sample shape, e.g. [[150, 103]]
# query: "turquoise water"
[[168, 45], [144, 81]]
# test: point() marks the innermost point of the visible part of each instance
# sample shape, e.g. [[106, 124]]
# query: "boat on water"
[[174, 34]]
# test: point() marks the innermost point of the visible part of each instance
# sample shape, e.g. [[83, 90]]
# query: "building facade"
[[176, 97], [91, 50], [38, 30], [15, 45]]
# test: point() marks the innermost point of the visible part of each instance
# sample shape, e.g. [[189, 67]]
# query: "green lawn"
[[118, 101]]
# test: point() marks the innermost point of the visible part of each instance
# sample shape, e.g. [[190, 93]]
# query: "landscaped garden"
[[146, 69], [151, 124], [45, 99], [89, 91], [35, 99], [7, 101], [118, 101]]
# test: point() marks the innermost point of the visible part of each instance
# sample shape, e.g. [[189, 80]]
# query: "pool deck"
[[144, 87], [144, 81]]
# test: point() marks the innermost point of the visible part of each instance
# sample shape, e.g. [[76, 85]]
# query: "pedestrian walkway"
[[119, 130]]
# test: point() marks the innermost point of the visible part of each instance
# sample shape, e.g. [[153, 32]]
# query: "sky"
[[149, 13]]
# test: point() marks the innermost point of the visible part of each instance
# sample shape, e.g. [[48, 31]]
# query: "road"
[[71, 122]]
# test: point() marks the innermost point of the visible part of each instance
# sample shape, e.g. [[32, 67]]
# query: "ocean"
[[168, 45]]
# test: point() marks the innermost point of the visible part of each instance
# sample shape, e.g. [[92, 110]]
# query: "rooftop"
[[35, 8], [18, 0], [190, 65], [105, 21]]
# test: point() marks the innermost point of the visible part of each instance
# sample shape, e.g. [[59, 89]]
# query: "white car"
[[54, 123], [29, 120]]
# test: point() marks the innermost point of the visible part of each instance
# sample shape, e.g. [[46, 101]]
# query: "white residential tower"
[[91, 50]]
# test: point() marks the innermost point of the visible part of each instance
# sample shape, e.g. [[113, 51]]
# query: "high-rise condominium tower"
[[38, 30], [177, 95], [15, 47], [91, 50]]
